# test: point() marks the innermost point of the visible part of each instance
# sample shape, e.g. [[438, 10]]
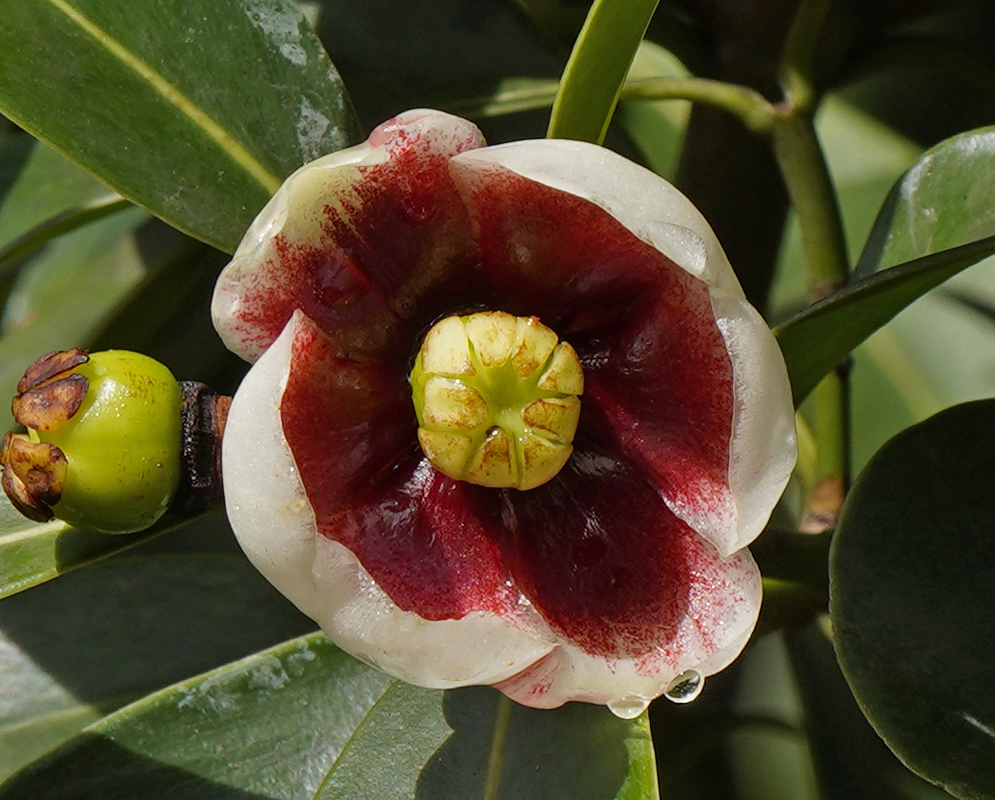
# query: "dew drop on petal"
[[628, 707], [685, 687]]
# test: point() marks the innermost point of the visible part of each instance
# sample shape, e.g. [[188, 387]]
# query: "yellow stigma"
[[497, 399]]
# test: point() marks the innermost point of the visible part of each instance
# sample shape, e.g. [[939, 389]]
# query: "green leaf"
[[304, 717], [476, 743], [940, 207], [163, 618], [15, 152], [942, 202], [509, 96], [850, 759], [32, 553], [656, 127], [910, 576], [63, 294], [192, 108], [63, 223], [820, 337], [51, 196], [597, 68], [768, 760], [48, 186]]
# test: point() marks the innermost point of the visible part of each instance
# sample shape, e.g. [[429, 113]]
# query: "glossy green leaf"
[[32, 553], [192, 108], [820, 337], [476, 743], [935, 222], [943, 201], [305, 718], [162, 617], [597, 68], [850, 759], [910, 583]]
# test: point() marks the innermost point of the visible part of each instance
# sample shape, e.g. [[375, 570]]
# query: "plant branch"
[[751, 107], [797, 63], [813, 196]]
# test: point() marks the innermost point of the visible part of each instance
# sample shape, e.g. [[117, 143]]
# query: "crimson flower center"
[[497, 399]]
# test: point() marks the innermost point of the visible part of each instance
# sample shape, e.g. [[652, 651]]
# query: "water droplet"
[[685, 687], [628, 707]]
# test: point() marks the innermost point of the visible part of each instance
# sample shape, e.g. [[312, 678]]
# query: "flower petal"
[[642, 201], [634, 596], [687, 376], [359, 240], [321, 495]]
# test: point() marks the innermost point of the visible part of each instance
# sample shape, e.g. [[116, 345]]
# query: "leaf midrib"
[[228, 144]]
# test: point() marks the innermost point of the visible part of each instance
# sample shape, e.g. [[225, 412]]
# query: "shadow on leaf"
[[576, 751], [113, 773]]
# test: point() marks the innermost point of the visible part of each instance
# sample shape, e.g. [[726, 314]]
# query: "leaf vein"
[[171, 94]]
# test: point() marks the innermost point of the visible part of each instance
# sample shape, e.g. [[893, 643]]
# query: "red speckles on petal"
[[351, 429], [387, 228], [534, 683], [599, 555], [665, 397]]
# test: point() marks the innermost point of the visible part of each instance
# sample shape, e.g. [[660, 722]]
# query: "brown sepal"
[[34, 475], [52, 403], [204, 415], [49, 366]]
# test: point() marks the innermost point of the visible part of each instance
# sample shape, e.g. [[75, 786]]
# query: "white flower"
[[627, 568]]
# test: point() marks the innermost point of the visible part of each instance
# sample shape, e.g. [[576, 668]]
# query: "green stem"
[[797, 63], [496, 756], [37, 237], [800, 156], [748, 104], [832, 425], [813, 195]]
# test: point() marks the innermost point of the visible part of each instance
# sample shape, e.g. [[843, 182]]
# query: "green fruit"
[[123, 444]]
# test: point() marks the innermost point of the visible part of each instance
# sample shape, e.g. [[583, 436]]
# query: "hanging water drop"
[[628, 707], [685, 687]]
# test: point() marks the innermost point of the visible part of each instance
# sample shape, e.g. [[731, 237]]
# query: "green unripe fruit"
[[122, 444]]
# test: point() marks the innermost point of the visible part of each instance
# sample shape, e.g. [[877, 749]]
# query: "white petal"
[[275, 526], [764, 447]]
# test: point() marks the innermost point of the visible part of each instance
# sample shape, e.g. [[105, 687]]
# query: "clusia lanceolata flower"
[[510, 420]]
